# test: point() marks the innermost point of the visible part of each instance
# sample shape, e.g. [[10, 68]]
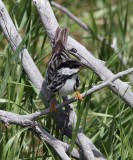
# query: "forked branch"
[[50, 23]]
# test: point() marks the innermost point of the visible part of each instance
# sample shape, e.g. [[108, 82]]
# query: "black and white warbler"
[[62, 72]]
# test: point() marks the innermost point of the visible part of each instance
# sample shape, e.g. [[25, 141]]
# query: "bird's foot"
[[52, 107], [78, 96]]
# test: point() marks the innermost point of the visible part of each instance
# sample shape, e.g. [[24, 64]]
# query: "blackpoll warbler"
[[62, 71]]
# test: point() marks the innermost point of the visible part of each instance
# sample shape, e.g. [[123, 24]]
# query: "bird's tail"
[[61, 36]]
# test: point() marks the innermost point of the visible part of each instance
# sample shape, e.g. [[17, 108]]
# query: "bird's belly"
[[68, 88]]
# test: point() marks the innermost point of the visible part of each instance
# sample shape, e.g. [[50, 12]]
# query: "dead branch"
[[88, 29], [31, 70], [50, 23], [95, 88], [61, 148]]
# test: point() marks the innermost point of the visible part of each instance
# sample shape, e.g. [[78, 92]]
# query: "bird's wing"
[[59, 53]]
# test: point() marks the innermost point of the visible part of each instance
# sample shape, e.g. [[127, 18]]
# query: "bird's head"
[[70, 67]]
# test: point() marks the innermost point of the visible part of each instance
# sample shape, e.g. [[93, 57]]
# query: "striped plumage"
[[62, 71]]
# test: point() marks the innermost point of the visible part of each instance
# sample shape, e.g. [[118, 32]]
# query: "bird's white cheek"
[[68, 71]]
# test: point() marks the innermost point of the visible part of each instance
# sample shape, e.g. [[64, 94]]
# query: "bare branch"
[[87, 145], [69, 14], [50, 23], [88, 29], [15, 41], [95, 88], [25, 58], [60, 147], [31, 70]]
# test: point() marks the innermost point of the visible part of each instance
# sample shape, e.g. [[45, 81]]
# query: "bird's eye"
[[73, 50]]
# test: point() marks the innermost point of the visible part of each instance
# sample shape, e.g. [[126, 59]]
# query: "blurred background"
[[105, 118]]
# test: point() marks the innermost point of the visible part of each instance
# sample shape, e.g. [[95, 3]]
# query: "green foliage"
[[104, 117]]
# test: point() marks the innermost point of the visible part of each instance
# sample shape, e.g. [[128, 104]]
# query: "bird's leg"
[[52, 107], [52, 103], [78, 96]]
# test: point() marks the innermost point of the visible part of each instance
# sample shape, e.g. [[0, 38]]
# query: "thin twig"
[[60, 147], [88, 29], [29, 66], [90, 91], [26, 120], [71, 15], [50, 23], [76, 19]]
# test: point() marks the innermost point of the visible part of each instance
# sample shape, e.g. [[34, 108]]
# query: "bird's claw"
[[78, 96]]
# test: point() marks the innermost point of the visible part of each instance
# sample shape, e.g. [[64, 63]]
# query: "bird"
[[62, 71]]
